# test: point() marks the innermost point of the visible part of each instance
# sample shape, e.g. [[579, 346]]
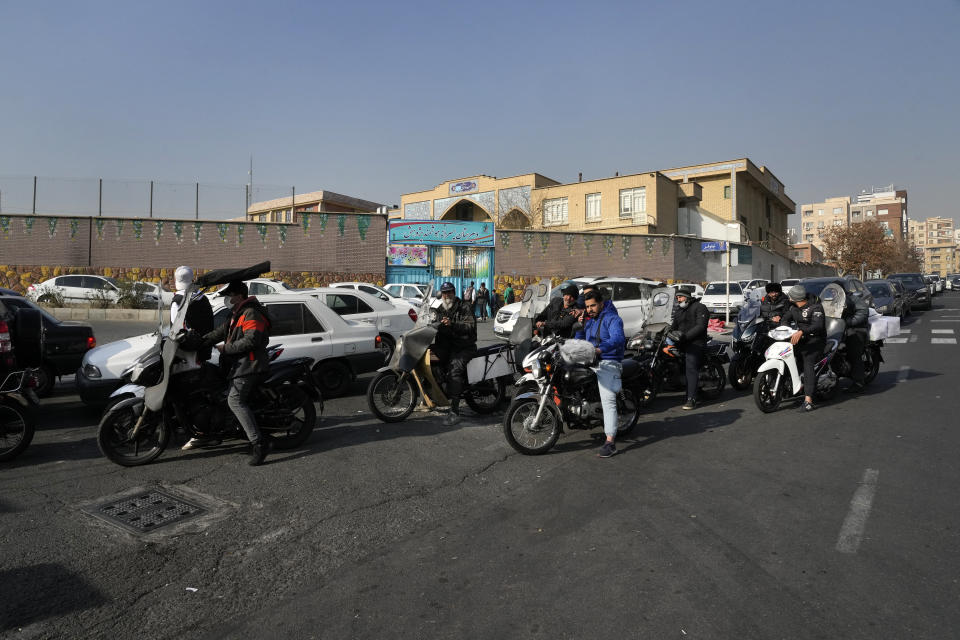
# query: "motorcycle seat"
[[630, 368]]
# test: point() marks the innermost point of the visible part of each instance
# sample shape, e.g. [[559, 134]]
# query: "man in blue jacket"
[[604, 328]]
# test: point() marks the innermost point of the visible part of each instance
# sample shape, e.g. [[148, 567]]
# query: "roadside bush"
[[131, 296], [51, 297]]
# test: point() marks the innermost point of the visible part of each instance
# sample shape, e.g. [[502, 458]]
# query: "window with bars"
[[592, 207], [554, 211], [633, 202]]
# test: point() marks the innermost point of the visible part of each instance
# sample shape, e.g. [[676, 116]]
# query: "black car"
[[888, 297], [853, 287], [915, 284], [64, 344]]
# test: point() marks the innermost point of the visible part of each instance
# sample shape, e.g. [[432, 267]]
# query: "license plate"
[[499, 330]]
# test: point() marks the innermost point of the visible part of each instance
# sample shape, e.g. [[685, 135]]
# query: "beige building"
[[936, 238], [806, 252], [887, 206], [818, 218], [732, 200], [286, 209]]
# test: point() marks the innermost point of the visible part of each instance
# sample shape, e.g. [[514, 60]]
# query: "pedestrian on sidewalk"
[[483, 299]]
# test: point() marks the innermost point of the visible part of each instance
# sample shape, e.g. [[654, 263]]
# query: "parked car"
[[786, 283], [157, 291], [887, 298], [65, 343], [341, 348], [390, 321], [692, 288], [715, 298], [931, 287], [906, 296], [953, 281], [267, 286], [756, 283], [77, 289], [378, 292], [406, 290], [852, 286], [915, 284], [938, 283]]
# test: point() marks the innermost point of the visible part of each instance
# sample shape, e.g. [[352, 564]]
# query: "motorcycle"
[[173, 390], [414, 373], [749, 343], [778, 379], [18, 403], [663, 366]]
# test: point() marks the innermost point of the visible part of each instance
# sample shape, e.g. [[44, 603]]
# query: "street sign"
[[713, 246]]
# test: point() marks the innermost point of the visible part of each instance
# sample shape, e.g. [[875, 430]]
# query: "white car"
[[157, 291], [80, 288], [405, 290], [690, 287], [390, 321], [715, 298], [341, 349], [756, 283], [378, 292]]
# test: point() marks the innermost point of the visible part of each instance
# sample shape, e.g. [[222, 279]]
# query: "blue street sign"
[[713, 246]]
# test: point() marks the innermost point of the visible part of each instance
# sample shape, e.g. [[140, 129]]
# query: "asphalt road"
[[717, 523]]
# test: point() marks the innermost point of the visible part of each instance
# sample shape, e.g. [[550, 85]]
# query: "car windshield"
[[718, 288], [815, 287], [910, 281], [878, 289], [23, 302], [111, 281]]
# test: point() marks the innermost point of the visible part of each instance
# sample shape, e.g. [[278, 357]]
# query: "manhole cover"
[[147, 511]]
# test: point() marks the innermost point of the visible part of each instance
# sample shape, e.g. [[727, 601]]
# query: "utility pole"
[[249, 186]]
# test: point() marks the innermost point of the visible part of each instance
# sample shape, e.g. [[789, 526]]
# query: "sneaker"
[[807, 406], [607, 450], [856, 387], [259, 453], [691, 404], [451, 419], [195, 443]]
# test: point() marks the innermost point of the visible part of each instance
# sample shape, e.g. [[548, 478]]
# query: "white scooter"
[[779, 379]]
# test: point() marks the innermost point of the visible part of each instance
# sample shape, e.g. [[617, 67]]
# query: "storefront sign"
[[464, 186], [454, 232], [405, 256]]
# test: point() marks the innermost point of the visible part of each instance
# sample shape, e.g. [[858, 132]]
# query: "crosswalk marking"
[[943, 340], [941, 330], [895, 341]]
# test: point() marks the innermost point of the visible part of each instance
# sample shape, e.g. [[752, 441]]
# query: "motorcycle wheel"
[[297, 407], [628, 411], [116, 428], [390, 399], [525, 437], [741, 374], [484, 397], [16, 430], [768, 401], [712, 379], [871, 364]]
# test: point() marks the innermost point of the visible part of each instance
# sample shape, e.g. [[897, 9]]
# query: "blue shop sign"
[[713, 246], [442, 232]]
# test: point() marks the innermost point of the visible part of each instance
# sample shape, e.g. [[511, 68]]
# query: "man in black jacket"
[[690, 322], [809, 339], [855, 314], [455, 344], [773, 304], [560, 315]]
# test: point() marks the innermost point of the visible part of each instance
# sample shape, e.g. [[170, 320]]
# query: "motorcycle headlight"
[[536, 369]]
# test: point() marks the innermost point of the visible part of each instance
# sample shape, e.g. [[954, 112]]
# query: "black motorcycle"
[[566, 396], [750, 342], [173, 392], [662, 365], [18, 403]]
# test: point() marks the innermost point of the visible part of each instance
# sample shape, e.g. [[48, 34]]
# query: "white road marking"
[[943, 341], [851, 533], [904, 372], [906, 330], [913, 338], [945, 321], [895, 341], [941, 330]]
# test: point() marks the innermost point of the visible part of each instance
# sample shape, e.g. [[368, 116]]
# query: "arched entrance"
[[467, 211], [516, 219]]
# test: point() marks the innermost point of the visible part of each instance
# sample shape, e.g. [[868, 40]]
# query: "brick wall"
[[319, 249]]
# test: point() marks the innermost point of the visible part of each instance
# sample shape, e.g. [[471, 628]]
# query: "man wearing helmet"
[[774, 303], [455, 344], [690, 325]]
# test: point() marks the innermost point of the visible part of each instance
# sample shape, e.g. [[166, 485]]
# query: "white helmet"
[[182, 277]]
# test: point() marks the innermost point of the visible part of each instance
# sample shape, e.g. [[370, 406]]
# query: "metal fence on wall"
[[132, 198]]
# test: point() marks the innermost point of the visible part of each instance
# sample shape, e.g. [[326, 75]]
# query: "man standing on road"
[[470, 297], [690, 322], [483, 299], [455, 345], [508, 294], [242, 343], [604, 328], [808, 339]]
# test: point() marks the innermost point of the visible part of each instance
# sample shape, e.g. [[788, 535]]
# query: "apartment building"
[[937, 239], [287, 209], [888, 206], [818, 218]]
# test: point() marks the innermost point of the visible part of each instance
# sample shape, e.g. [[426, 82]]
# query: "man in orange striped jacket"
[[243, 355]]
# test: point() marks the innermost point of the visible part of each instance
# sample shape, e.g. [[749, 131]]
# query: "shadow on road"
[[33, 593]]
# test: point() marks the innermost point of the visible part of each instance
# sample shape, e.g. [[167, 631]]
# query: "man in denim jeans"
[[604, 328]]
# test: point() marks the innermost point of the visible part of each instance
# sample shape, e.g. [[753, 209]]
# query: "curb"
[[83, 313]]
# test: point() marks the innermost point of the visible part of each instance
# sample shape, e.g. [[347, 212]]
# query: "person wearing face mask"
[[455, 344], [773, 304], [199, 316], [690, 322], [807, 315]]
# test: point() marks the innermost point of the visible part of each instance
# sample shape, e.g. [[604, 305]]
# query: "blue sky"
[[377, 99]]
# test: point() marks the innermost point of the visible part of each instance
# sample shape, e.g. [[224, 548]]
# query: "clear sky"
[[376, 99]]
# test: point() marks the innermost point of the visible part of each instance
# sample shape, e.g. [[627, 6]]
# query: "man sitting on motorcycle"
[[809, 339], [855, 314], [242, 343], [689, 327], [455, 345], [773, 304], [560, 315], [604, 328]]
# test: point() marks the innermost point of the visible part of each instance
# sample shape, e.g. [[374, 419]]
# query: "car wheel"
[[387, 345], [46, 378], [333, 377]]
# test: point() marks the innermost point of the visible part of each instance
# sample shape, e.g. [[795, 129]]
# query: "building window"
[[855, 214], [633, 202], [837, 211], [820, 225], [808, 213], [262, 217], [807, 226], [882, 212], [819, 212], [593, 207], [726, 192], [808, 237], [838, 223], [554, 211], [288, 215], [869, 214]]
